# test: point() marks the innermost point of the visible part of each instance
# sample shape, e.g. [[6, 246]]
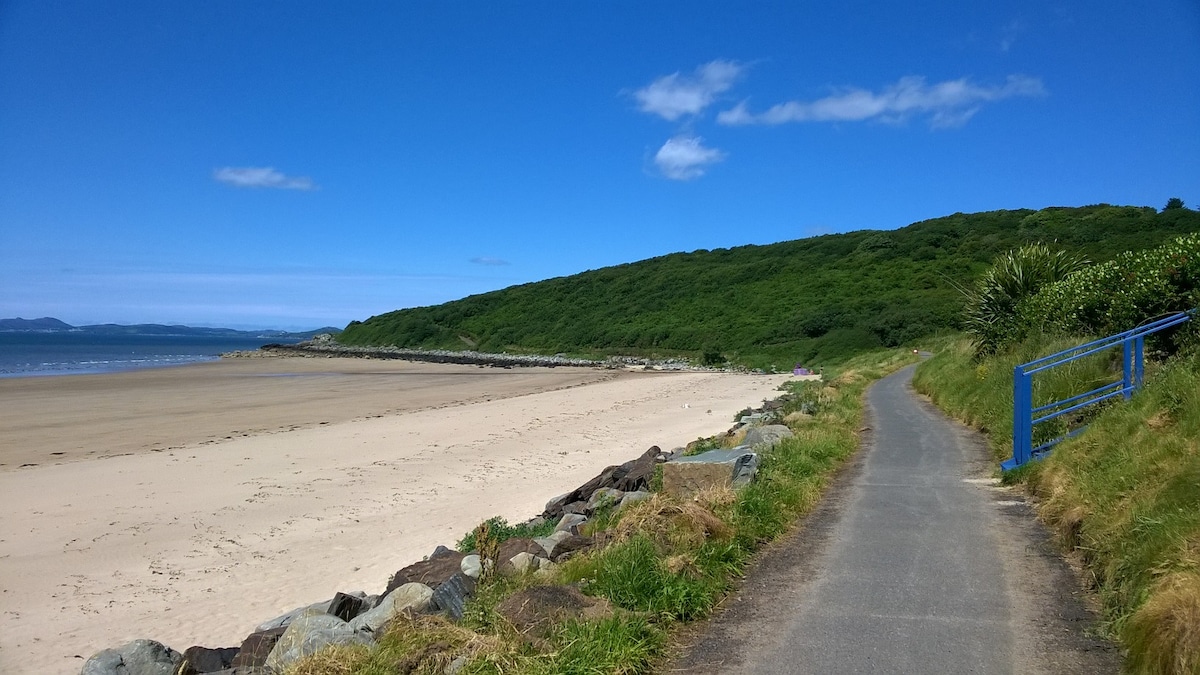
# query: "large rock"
[[579, 507], [308, 634], [639, 471], [515, 545], [604, 497], [472, 566], [411, 597], [570, 546], [554, 506], [562, 544], [257, 647], [535, 611], [451, 596], [520, 564], [286, 618], [635, 497], [570, 522], [202, 660], [140, 657], [628, 477], [342, 600], [767, 435], [346, 607], [547, 545], [443, 564], [685, 476]]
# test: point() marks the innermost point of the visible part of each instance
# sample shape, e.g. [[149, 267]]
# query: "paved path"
[[914, 564]]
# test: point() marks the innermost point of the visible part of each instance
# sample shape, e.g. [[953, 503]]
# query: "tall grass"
[[979, 391], [1124, 496]]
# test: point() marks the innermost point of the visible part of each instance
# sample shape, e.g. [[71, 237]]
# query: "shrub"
[[1120, 294], [991, 312], [499, 530]]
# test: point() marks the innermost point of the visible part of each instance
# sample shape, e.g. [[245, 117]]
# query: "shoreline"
[[151, 409], [107, 371], [199, 543]]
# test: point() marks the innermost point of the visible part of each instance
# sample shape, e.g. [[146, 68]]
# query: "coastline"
[[196, 542], [55, 354], [159, 409]]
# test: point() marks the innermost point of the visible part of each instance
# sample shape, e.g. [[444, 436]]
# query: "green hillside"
[[815, 300]]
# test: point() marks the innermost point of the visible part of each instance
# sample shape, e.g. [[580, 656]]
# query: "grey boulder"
[[634, 497], [411, 597], [471, 566], [308, 634], [685, 476], [283, 620], [451, 596], [768, 435], [570, 522], [140, 657], [604, 497]]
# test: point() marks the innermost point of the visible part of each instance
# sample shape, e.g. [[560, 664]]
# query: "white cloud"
[[685, 158], [488, 260], [673, 96], [948, 104], [262, 177]]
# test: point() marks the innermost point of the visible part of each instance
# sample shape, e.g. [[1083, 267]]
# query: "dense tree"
[[811, 300], [1173, 203]]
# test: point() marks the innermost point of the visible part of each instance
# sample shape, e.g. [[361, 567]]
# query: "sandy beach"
[[189, 504]]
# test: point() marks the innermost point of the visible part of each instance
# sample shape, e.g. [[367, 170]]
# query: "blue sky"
[[296, 164]]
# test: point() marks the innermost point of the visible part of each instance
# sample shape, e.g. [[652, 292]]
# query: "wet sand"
[[189, 504], [68, 417]]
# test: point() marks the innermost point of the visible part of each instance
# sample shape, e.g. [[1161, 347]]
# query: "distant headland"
[[52, 325]]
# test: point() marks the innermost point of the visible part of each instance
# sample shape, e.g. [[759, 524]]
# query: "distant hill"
[[815, 300], [51, 325], [44, 324]]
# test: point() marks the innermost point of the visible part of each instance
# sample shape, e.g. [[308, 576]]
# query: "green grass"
[[617, 645], [1124, 497], [666, 562], [499, 530], [979, 391]]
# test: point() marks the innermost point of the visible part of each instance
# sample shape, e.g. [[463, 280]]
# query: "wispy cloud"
[[1009, 33], [947, 104], [676, 95], [685, 157], [488, 260], [261, 177]]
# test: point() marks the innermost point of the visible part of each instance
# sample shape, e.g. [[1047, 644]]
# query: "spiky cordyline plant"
[[990, 315]]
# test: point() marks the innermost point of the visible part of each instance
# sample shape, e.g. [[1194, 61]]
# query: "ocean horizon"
[[68, 353]]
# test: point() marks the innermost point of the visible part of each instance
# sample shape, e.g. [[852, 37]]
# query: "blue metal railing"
[[1132, 372]]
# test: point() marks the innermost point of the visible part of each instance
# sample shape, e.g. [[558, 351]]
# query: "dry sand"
[[189, 504]]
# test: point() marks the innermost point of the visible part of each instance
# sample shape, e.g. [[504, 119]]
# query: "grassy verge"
[[664, 561], [1124, 496]]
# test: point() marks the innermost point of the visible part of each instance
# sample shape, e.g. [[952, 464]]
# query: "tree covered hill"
[[812, 300]]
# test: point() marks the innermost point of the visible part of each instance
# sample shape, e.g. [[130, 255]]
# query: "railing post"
[[1139, 370], [1127, 368], [1022, 418]]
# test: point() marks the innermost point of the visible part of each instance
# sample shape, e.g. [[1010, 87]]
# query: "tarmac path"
[[915, 562]]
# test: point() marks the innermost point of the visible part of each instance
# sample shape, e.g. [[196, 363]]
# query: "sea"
[[73, 353]]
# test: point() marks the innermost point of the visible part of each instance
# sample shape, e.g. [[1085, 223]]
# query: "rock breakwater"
[[322, 347]]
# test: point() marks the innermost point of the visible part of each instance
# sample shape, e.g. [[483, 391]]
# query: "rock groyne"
[[327, 348]]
